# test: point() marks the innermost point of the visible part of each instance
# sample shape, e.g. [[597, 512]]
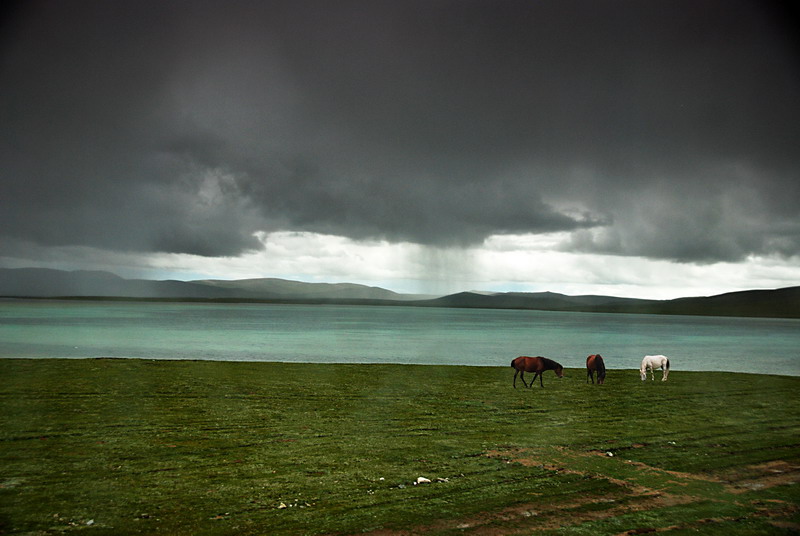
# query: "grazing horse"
[[594, 363], [653, 362], [538, 365]]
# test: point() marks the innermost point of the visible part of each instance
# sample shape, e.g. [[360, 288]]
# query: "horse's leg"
[[541, 375], [589, 375], [653, 374], [515, 378], [522, 377]]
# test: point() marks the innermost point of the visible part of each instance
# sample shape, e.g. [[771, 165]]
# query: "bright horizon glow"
[[503, 263]]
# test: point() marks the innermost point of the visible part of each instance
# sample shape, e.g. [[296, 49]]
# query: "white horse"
[[653, 362]]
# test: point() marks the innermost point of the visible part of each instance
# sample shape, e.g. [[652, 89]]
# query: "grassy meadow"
[[112, 446]]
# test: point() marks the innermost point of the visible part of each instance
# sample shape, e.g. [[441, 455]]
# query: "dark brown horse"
[[538, 365], [594, 363]]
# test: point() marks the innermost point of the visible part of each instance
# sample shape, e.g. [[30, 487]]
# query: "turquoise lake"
[[372, 334]]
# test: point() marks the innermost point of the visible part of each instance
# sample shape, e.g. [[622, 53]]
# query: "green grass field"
[[173, 447]]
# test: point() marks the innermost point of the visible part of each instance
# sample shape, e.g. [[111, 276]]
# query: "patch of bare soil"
[[766, 509], [533, 517], [762, 476], [528, 459], [788, 525], [678, 474], [741, 480], [776, 512], [696, 525]]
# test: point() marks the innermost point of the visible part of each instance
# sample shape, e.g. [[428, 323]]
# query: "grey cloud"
[[168, 126], [412, 207], [725, 215]]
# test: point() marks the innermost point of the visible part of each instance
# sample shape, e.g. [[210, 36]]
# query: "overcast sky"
[[635, 148]]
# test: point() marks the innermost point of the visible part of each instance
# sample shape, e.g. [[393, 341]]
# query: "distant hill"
[[287, 289], [779, 303], [532, 300], [43, 282], [46, 283], [783, 302]]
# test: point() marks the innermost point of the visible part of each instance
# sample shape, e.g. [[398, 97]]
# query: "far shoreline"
[[762, 304], [570, 372]]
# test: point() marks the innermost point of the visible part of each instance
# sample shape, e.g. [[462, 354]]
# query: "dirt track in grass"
[[528, 518]]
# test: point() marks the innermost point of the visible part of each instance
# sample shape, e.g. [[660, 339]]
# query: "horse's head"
[[559, 370], [643, 374], [601, 376]]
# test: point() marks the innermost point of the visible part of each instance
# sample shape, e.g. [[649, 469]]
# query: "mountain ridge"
[[287, 288], [775, 303], [49, 283]]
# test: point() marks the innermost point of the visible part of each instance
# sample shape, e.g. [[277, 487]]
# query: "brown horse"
[[594, 363], [538, 365]]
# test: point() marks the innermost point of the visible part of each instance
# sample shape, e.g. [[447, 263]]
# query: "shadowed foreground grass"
[[107, 446]]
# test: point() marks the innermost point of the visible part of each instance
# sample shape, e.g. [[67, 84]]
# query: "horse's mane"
[[549, 362]]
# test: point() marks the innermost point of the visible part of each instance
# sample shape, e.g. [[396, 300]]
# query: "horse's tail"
[[512, 363], [666, 365]]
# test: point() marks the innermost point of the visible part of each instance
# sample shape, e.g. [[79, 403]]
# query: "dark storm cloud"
[[664, 129]]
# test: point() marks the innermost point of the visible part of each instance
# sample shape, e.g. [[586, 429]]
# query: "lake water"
[[363, 334]]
